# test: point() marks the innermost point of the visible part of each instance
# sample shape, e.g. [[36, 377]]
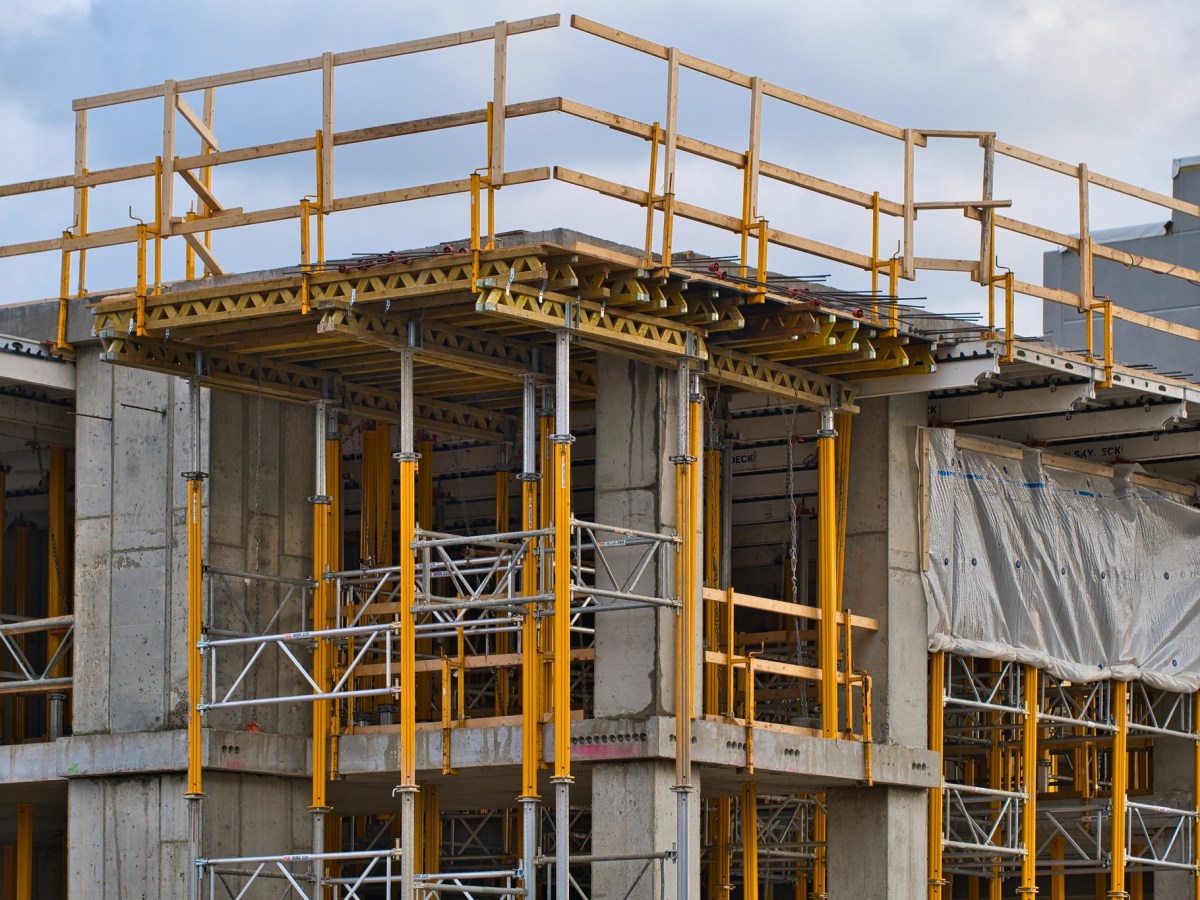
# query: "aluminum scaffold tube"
[[561, 441], [937, 725]]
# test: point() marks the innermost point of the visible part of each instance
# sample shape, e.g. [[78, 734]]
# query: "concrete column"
[[633, 805], [883, 580]]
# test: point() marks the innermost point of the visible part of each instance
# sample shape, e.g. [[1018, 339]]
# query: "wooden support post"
[[327, 70], [1085, 242], [910, 212], [167, 185], [671, 140], [987, 216], [80, 228], [499, 101]]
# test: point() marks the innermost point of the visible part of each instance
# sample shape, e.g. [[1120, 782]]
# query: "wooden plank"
[[313, 63], [327, 139], [499, 104], [711, 217], [783, 608], [204, 253], [460, 186], [937, 264], [41, 184], [962, 204], [734, 77], [1146, 321], [1127, 259], [1034, 231], [1055, 295], [194, 119], [992, 447], [828, 188], [207, 197], [1112, 184], [166, 196]]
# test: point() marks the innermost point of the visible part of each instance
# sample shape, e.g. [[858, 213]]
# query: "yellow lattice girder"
[[728, 367], [596, 324]]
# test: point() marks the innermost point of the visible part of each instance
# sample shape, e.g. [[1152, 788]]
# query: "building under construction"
[[573, 564]]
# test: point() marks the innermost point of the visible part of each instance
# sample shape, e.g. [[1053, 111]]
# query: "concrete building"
[[538, 564], [1176, 242]]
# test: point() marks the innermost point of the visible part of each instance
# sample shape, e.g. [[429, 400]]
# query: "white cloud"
[[21, 18]]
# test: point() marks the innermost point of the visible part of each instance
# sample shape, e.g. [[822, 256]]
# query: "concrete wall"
[[260, 521], [128, 837]]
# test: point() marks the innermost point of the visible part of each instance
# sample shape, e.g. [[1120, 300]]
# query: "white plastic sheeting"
[[1087, 577]]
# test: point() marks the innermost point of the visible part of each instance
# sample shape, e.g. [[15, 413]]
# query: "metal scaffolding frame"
[[1046, 777]]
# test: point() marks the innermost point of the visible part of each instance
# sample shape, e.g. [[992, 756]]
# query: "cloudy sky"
[[1104, 82]]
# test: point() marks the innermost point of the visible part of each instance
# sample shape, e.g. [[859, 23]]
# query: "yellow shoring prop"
[[1119, 772], [1029, 766], [24, 851], [937, 682], [750, 839], [827, 559]]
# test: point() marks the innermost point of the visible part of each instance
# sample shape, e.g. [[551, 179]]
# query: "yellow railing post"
[[1010, 318], [651, 198], [58, 585], [140, 322], [64, 292]]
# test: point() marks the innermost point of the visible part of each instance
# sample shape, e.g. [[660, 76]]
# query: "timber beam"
[[302, 384]]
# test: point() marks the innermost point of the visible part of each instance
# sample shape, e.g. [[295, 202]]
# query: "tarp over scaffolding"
[[1088, 577]]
